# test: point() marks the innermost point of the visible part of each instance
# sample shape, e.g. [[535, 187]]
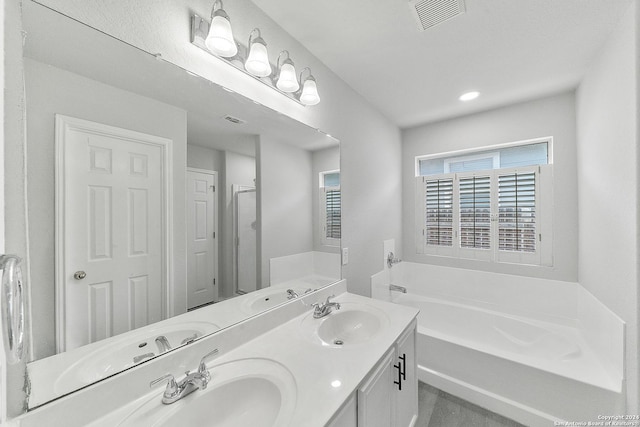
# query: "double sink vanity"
[[325, 358]]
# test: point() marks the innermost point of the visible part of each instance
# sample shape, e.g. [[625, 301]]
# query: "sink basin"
[[267, 298], [117, 353], [350, 325], [248, 392]]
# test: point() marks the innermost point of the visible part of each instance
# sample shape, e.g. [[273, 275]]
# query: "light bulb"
[[258, 61], [309, 94], [288, 82], [220, 38]]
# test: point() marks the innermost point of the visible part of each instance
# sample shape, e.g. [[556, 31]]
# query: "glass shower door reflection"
[[246, 268]]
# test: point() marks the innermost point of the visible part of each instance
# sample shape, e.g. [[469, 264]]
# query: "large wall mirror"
[[161, 207]]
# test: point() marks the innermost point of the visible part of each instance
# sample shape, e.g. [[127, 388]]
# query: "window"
[[491, 205], [330, 208], [475, 212], [439, 212]]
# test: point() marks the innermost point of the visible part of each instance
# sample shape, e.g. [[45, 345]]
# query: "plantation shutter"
[[517, 212], [475, 212], [439, 212], [333, 217]]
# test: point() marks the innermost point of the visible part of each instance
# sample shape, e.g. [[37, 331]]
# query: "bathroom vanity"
[[353, 366]]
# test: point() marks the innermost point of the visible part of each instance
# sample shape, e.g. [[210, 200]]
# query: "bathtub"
[[534, 366]]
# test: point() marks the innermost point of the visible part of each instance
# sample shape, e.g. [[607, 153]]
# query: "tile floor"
[[440, 409]]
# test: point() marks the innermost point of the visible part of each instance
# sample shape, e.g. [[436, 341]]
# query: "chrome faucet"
[[291, 294], [321, 310], [163, 344], [138, 359], [392, 260], [192, 381], [398, 288], [189, 339]]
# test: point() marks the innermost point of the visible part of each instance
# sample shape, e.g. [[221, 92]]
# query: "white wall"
[[323, 160], [551, 116], [285, 188], [607, 153], [12, 378], [3, 370], [53, 91], [204, 157], [370, 142]]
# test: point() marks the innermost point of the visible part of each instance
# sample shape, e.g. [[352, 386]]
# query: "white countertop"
[[314, 367], [49, 375]]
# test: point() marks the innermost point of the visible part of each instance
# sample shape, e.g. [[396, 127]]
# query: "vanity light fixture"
[[286, 80], [257, 62], [469, 96], [217, 38], [220, 38], [309, 94]]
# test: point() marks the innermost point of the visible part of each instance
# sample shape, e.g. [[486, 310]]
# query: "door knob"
[[79, 275]]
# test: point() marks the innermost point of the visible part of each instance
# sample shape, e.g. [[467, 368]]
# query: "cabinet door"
[[376, 398], [348, 415], [404, 371]]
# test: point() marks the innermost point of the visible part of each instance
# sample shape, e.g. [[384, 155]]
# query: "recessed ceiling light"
[[469, 96]]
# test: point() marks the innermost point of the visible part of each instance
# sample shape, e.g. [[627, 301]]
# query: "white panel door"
[[246, 242], [201, 239], [113, 241]]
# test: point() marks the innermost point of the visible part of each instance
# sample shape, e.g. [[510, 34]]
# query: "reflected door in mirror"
[[111, 197], [201, 238]]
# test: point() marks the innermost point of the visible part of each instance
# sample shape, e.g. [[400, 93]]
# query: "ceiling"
[[509, 50]]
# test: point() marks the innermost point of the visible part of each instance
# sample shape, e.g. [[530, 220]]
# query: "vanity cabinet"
[[406, 373], [348, 415], [376, 397], [388, 397]]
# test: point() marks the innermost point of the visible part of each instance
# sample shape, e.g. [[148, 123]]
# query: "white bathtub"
[[535, 369]]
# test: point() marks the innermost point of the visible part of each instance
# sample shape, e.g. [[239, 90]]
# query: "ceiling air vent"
[[430, 13], [235, 120]]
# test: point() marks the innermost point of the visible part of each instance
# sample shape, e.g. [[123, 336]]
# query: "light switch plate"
[[345, 256]]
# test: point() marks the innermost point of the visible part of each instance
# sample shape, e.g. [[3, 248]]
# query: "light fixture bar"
[[199, 32]]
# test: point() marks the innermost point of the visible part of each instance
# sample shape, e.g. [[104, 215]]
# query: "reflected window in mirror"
[[330, 207]]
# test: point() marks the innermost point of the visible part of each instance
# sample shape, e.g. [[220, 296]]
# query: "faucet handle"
[[172, 386], [202, 368]]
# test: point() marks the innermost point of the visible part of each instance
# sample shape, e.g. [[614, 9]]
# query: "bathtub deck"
[[577, 361]]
